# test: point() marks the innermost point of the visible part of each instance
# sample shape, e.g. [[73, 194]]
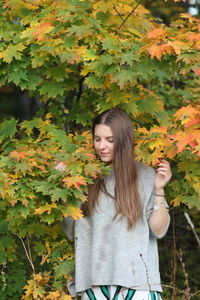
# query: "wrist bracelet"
[[158, 195], [164, 203]]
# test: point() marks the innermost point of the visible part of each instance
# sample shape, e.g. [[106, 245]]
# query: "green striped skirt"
[[114, 292]]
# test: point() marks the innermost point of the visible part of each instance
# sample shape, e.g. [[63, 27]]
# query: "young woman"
[[116, 255]]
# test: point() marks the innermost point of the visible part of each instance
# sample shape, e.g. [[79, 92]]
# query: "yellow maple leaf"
[[74, 212], [66, 297], [45, 208], [77, 181], [53, 296]]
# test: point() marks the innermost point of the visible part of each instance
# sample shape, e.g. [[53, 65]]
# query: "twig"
[[29, 249], [192, 226], [27, 254], [178, 290], [29, 257], [118, 13], [124, 21], [187, 293]]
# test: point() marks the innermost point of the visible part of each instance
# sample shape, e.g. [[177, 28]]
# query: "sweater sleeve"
[[68, 227], [149, 211]]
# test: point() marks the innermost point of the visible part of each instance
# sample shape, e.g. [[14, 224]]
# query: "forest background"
[[61, 63]]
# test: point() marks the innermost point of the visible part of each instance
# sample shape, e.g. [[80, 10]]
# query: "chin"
[[108, 161]]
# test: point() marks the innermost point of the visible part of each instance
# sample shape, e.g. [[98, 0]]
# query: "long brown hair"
[[126, 196]]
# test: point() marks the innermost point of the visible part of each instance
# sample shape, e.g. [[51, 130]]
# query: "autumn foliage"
[[80, 58]]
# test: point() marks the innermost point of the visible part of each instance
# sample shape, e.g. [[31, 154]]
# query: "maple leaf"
[[8, 128], [194, 36], [42, 279], [156, 51], [12, 51], [66, 297], [157, 33], [186, 112], [45, 208], [182, 139], [52, 89], [91, 169], [171, 152], [73, 211], [76, 181], [41, 30], [18, 155], [193, 122], [177, 46], [196, 71]]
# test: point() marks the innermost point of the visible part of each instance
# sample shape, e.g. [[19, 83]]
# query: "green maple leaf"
[[42, 186], [18, 76], [109, 43], [52, 89], [90, 54], [79, 195], [48, 218], [65, 268], [80, 30], [56, 72], [129, 58], [148, 105], [124, 76], [30, 125], [70, 41], [191, 201], [33, 80], [39, 60], [8, 129], [12, 51], [19, 211], [107, 59], [3, 226], [58, 193], [93, 81]]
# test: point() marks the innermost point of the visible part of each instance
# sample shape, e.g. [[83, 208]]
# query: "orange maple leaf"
[[194, 37], [156, 51], [41, 30], [183, 139], [187, 16], [185, 112], [196, 71], [77, 181], [177, 46], [193, 122], [171, 151], [18, 155], [157, 33]]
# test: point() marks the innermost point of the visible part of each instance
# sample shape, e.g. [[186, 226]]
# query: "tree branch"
[[124, 21], [118, 13]]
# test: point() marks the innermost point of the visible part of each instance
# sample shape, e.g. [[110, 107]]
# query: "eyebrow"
[[106, 136]]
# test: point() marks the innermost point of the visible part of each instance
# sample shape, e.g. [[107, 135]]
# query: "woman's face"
[[103, 143]]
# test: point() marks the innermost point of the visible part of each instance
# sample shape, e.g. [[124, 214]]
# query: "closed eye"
[[110, 140]]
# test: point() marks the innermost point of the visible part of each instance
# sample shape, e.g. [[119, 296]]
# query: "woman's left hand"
[[163, 174]]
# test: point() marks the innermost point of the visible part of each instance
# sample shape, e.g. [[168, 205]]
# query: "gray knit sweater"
[[106, 253]]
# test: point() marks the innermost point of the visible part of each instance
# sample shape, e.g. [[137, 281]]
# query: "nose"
[[102, 145]]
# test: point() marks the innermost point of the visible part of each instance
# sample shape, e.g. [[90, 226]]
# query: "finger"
[[163, 169], [164, 163], [164, 174]]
